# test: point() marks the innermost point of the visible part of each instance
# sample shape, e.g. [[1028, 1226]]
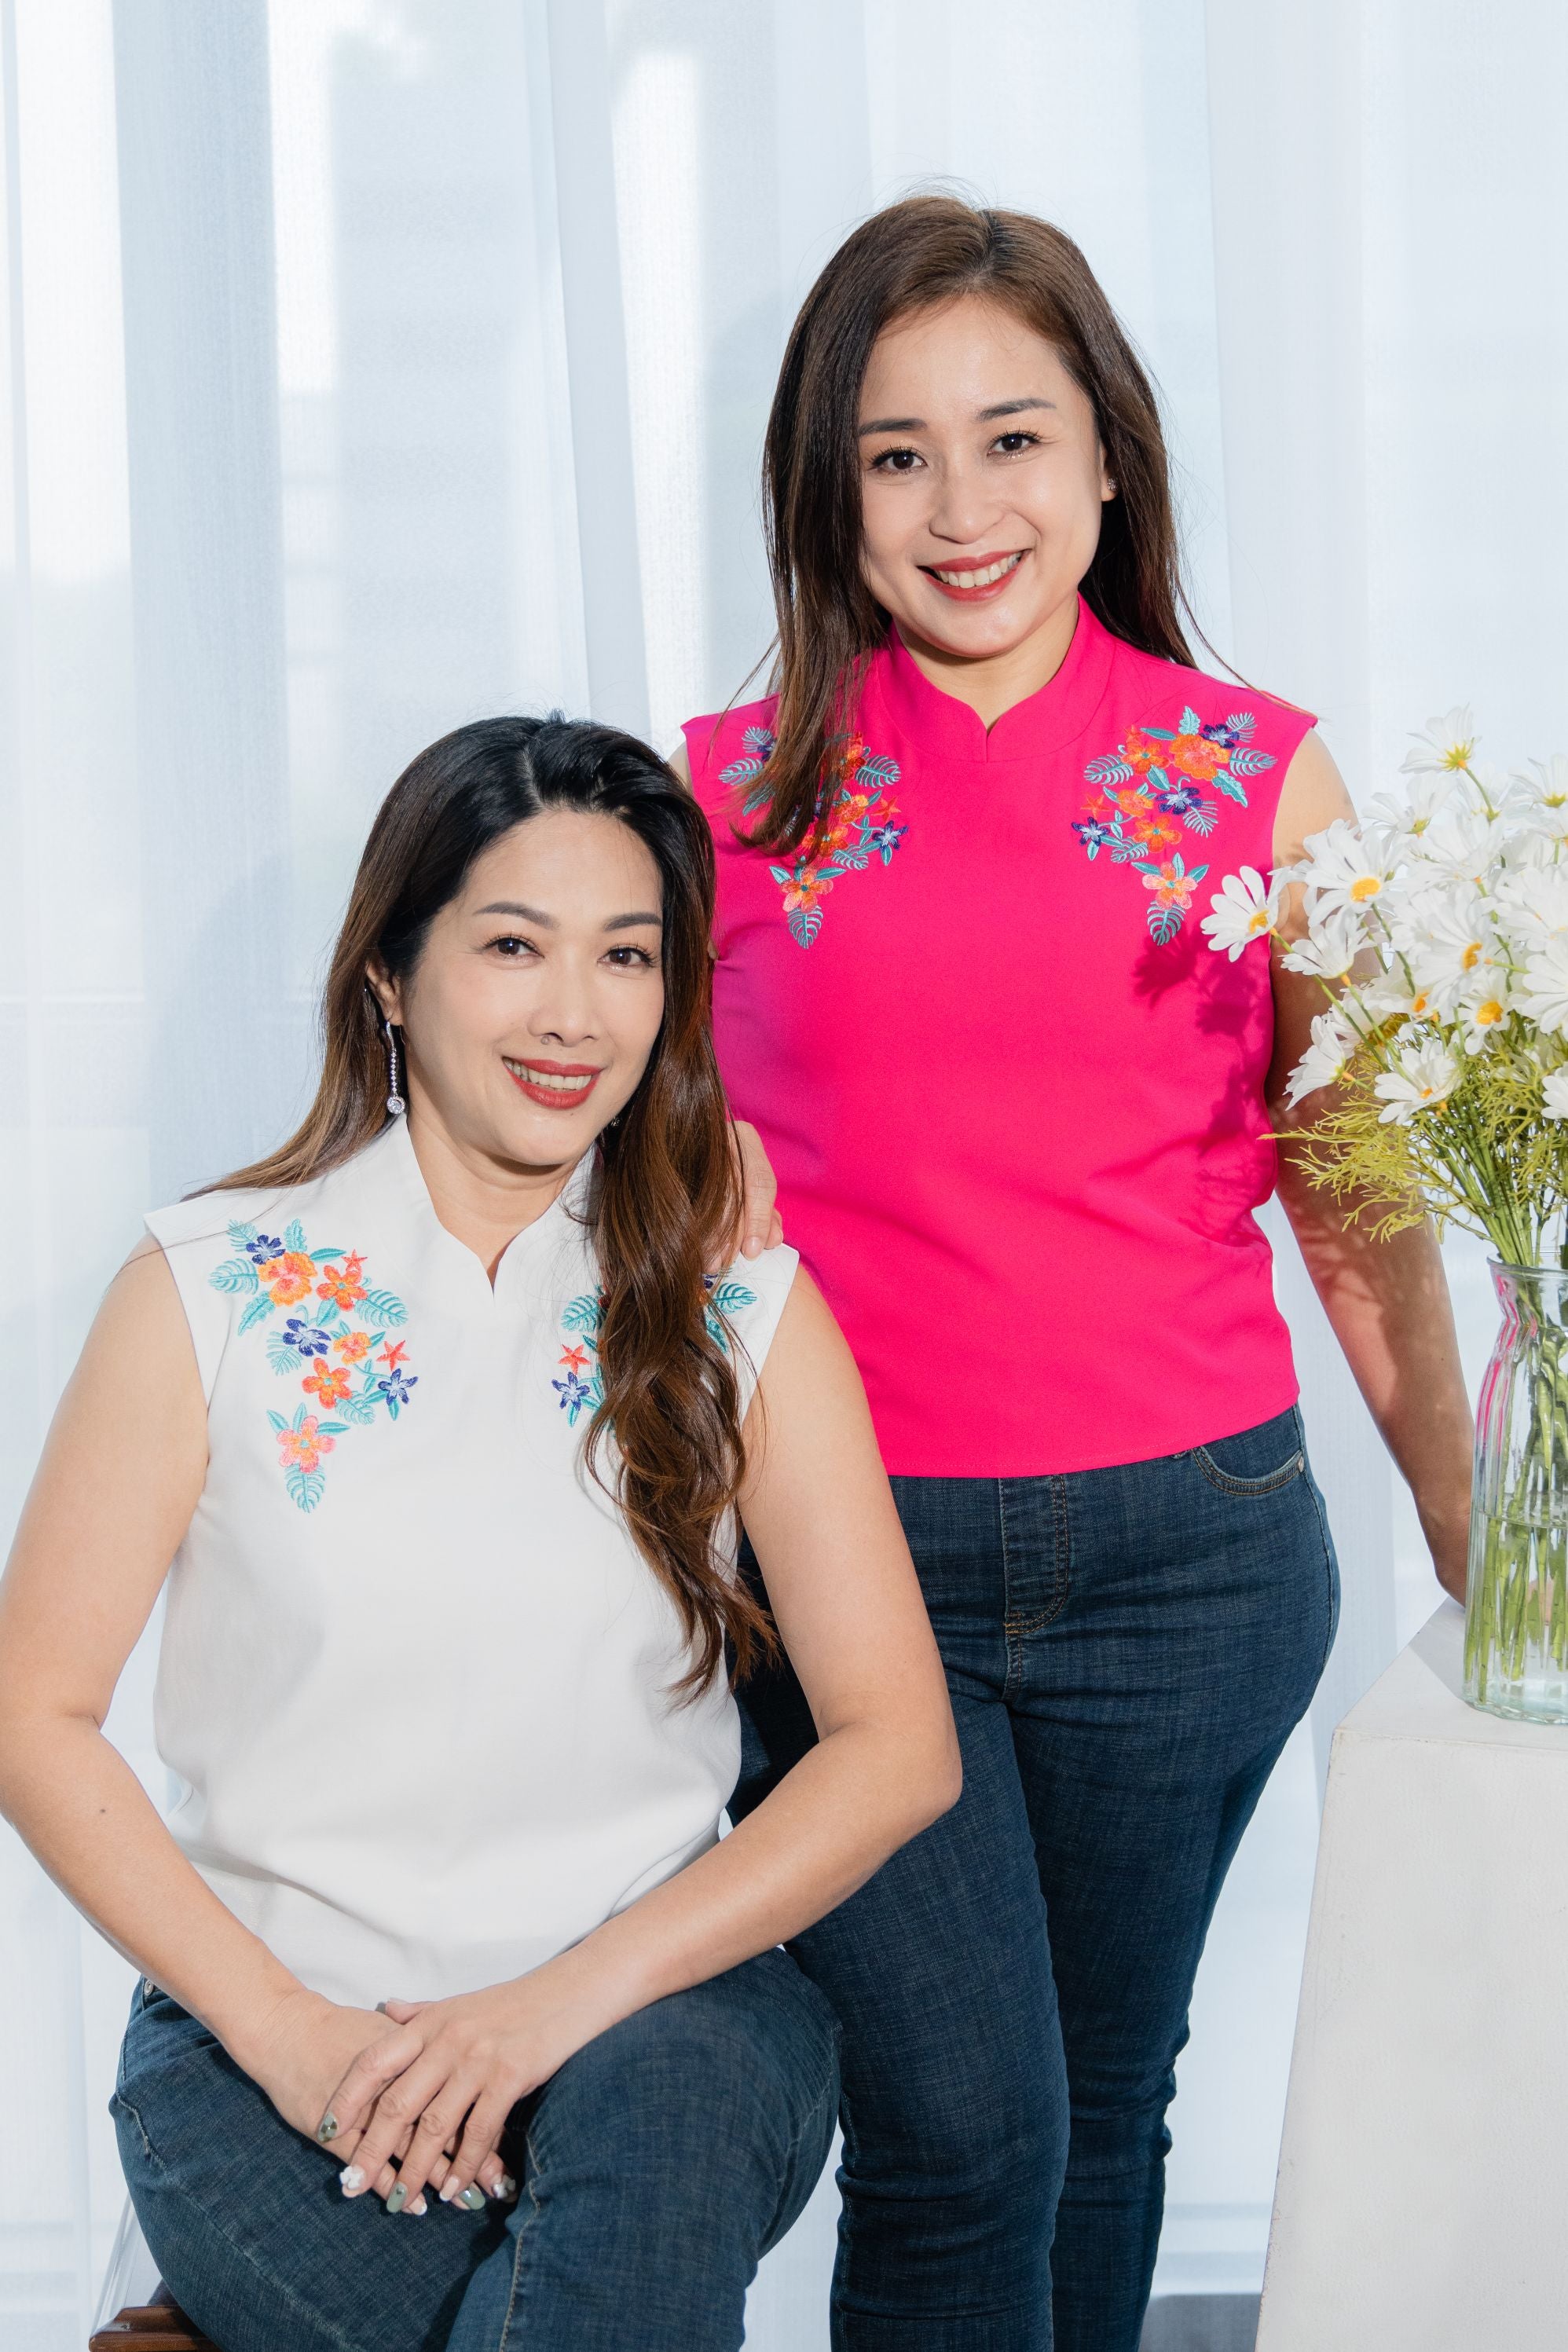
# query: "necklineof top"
[[1054, 715], [395, 1148]]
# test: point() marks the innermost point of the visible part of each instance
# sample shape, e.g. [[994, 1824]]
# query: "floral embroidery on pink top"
[[1151, 789], [860, 825]]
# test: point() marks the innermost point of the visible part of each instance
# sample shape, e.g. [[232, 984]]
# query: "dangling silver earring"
[[395, 1102]]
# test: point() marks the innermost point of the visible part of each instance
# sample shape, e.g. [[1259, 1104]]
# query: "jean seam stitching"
[[1322, 1517], [1229, 1485], [530, 2176]]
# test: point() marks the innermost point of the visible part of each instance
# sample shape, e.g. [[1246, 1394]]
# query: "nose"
[[966, 503], [563, 1013]]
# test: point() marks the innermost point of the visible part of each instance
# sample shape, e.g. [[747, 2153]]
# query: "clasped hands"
[[416, 2097]]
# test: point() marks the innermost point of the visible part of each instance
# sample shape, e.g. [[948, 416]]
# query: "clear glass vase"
[[1516, 1614]]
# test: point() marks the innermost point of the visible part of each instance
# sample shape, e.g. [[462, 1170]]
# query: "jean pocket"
[[1255, 1461]]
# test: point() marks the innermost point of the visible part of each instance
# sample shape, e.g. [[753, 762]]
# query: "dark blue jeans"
[[655, 2168], [1127, 1650]]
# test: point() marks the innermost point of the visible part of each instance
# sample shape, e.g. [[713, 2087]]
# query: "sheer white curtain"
[[374, 363]]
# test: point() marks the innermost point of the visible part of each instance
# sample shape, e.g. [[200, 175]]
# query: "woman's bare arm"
[[1387, 1301], [848, 1608], [122, 1472]]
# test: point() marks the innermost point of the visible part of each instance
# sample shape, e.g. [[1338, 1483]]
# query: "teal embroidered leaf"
[[257, 1309], [294, 1235], [278, 1422], [382, 1311], [716, 1331], [1110, 769], [782, 876], [242, 1234], [582, 1314], [758, 739], [804, 923], [1164, 734], [1197, 873], [358, 1409], [234, 1274], [1200, 819], [730, 1296], [1189, 722], [282, 1358], [321, 1256], [1243, 761], [329, 1315], [740, 771], [879, 769], [1164, 922], [1241, 722], [851, 860], [332, 1428], [304, 1486], [1229, 787], [758, 797]]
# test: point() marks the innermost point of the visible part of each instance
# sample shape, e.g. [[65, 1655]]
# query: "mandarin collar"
[[392, 1158], [1056, 715]]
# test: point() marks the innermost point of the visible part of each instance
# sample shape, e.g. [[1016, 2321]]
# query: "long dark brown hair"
[[665, 1193], [912, 256]]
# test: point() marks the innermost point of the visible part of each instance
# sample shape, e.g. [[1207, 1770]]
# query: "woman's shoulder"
[[727, 748], [1176, 700], [745, 1303]]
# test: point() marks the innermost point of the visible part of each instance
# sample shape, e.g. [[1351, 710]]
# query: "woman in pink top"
[[1021, 1117]]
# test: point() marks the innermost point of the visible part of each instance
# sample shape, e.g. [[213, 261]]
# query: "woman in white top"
[[447, 1431]]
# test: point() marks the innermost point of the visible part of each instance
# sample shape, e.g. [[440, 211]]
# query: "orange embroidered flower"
[[353, 1347], [391, 1354], [302, 1448], [1143, 751], [1194, 755], [574, 1359], [1154, 831], [806, 889], [1171, 887], [342, 1286], [287, 1277], [328, 1382]]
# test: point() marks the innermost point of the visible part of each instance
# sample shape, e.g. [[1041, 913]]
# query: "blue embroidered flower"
[[395, 1388], [1153, 787], [308, 1339], [264, 1247], [857, 824], [576, 1392]]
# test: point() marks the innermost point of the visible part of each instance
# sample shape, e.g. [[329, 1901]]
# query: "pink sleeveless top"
[[1014, 1099]]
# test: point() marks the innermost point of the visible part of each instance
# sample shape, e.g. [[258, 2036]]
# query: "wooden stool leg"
[[156, 2327]]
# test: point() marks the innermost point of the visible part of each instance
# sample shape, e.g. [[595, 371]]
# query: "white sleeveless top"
[[414, 1673]]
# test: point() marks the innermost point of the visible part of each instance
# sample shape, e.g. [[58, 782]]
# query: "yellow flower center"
[[1471, 955], [1457, 755], [1418, 1007], [1364, 886], [1489, 1012], [1260, 921]]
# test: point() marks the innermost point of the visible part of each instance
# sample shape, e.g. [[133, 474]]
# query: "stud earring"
[[395, 1102]]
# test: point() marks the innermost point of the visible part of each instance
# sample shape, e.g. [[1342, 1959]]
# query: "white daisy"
[[1543, 995], [1423, 1078], [1333, 1043], [1554, 1095], [1446, 741], [1392, 995], [1408, 812], [1245, 909], [1346, 867], [1483, 1007], [1331, 947]]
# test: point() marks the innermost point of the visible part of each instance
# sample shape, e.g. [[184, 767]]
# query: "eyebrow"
[[536, 915], [986, 416]]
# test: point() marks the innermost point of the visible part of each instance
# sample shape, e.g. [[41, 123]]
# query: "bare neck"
[[996, 682], [484, 1202]]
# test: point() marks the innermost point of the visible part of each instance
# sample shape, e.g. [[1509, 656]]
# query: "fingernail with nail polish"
[[349, 2178], [449, 2189], [474, 2199], [327, 2129], [396, 2198], [419, 2205], [504, 2187]]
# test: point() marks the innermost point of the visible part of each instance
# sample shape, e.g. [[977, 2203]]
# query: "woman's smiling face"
[[981, 479], [536, 1001]]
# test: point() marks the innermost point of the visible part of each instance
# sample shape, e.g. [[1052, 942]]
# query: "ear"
[[386, 992]]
